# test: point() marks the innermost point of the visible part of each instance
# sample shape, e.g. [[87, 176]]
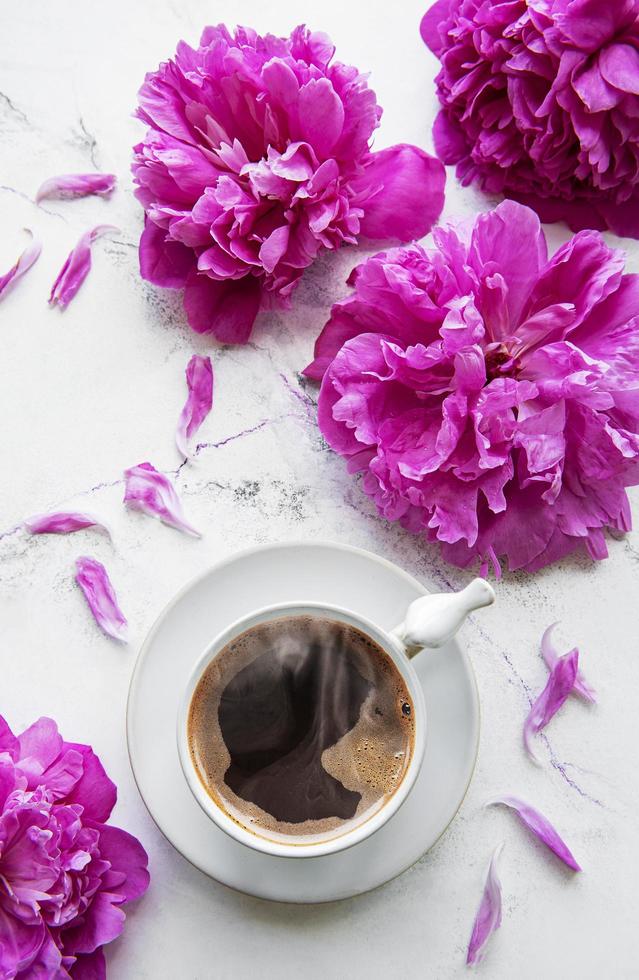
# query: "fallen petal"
[[199, 380], [28, 258], [550, 657], [153, 493], [93, 579], [76, 268], [63, 522], [76, 185], [540, 826], [488, 917], [560, 683]]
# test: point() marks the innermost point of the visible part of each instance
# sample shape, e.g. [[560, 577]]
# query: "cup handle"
[[432, 620]]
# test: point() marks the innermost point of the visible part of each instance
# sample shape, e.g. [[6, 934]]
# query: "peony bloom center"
[[500, 362]]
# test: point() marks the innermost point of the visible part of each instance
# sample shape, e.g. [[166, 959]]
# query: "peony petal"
[[28, 258], [488, 917], [401, 192], [63, 522], [540, 826], [164, 263], [127, 857], [199, 380], [449, 140], [94, 791], [89, 966], [40, 745], [76, 185], [225, 309], [619, 65], [430, 22], [76, 268], [152, 492], [20, 944], [94, 581], [102, 922], [560, 683], [321, 114], [550, 658]]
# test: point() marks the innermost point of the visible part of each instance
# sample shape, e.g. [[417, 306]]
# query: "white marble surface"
[[86, 393]]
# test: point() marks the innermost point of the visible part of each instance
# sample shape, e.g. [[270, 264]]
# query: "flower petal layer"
[[486, 392], [540, 826], [199, 381], [93, 579], [63, 522], [539, 102], [76, 268], [256, 159], [28, 258], [560, 683], [66, 876], [76, 185], [152, 492], [488, 917]]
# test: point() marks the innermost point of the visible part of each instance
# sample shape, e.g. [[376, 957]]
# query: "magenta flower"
[[65, 874], [540, 102], [488, 394], [256, 159]]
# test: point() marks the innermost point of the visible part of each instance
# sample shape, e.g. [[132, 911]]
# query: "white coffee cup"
[[430, 621]]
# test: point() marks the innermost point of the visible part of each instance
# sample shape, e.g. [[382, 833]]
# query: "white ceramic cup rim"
[[361, 831]]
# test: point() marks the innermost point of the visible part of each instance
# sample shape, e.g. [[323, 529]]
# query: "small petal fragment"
[[540, 826], [199, 380], [93, 579], [63, 522], [76, 268], [76, 185], [28, 258], [550, 657], [560, 683], [153, 493], [488, 917]]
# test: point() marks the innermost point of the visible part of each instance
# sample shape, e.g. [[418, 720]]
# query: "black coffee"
[[300, 727]]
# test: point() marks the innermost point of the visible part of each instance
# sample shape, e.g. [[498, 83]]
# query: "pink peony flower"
[[540, 102], [490, 396], [256, 159], [65, 875]]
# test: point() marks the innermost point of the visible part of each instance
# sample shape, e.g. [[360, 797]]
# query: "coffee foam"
[[370, 759]]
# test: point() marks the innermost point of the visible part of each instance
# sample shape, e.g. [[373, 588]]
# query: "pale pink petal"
[[550, 657], [76, 185], [28, 258], [540, 826], [153, 493], [63, 522], [94, 581], [199, 380], [488, 917], [76, 268], [560, 683]]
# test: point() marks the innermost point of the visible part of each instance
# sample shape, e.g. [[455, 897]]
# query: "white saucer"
[[329, 573]]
